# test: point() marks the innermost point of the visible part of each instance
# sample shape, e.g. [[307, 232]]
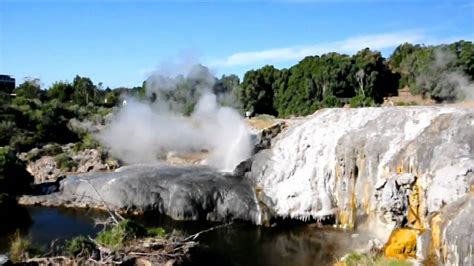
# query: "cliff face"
[[398, 166]]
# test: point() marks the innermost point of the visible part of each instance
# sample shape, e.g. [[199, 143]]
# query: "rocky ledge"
[[181, 192]]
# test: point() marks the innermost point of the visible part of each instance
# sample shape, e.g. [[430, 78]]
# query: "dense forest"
[[362, 79]]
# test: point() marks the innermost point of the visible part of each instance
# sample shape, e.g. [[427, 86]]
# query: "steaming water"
[[240, 244]]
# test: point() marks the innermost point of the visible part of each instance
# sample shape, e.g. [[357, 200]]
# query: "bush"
[[401, 103], [120, 234], [88, 142], [359, 259], [22, 248], [156, 232], [23, 140], [331, 101], [361, 101], [47, 150], [78, 245], [14, 179], [65, 162], [124, 232]]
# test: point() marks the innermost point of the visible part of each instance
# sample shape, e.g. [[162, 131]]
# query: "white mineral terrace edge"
[[299, 173]]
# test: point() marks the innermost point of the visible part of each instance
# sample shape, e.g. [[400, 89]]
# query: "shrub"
[[401, 103], [331, 101], [88, 142], [120, 234], [359, 259], [126, 231], [78, 245], [23, 140], [52, 149], [361, 101], [14, 179], [64, 161], [47, 150], [21, 248], [156, 232]]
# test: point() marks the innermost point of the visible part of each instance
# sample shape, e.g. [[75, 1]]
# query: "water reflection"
[[239, 244], [55, 223]]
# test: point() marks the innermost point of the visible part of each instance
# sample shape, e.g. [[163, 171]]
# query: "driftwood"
[[114, 215]]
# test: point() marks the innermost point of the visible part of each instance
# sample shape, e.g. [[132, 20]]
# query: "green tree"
[[258, 90], [84, 91], [372, 75], [61, 90], [30, 88]]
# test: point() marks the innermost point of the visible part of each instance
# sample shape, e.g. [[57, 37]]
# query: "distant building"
[[7, 83]]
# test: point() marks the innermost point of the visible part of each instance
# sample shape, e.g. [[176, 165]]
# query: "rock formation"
[[181, 192], [44, 167], [396, 167]]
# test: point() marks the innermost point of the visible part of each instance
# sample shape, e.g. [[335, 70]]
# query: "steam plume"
[[444, 81], [145, 132]]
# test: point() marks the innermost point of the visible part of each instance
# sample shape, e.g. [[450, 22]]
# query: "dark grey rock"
[[181, 192], [263, 139]]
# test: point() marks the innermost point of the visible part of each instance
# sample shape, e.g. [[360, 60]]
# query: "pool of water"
[[238, 244]]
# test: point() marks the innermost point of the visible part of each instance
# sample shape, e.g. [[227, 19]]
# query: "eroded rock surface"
[[331, 162], [455, 233], [395, 165], [45, 168], [181, 192]]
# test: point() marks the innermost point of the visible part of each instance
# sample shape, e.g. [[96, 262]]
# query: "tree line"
[[363, 79], [328, 80]]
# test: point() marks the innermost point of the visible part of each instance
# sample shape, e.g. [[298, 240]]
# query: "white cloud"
[[350, 45]]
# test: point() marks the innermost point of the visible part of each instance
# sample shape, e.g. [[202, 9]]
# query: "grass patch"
[[359, 259], [21, 248], [65, 162], [156, 232], [79, 245], [401, 103], [47, 150], [126, 231], [87, 142], [265, 117]]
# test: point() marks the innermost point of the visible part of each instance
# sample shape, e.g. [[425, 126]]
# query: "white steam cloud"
[[145, 132], [445, 81]]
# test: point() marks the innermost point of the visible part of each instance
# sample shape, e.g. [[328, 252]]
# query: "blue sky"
[[120, 42]]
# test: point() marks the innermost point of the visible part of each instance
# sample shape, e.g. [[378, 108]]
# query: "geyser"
[[146, 131]]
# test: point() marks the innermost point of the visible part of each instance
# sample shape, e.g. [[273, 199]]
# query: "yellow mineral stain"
[[436, 227], [414, 205], [401, 244], [399, 169], [367, 197], [346, 217]]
